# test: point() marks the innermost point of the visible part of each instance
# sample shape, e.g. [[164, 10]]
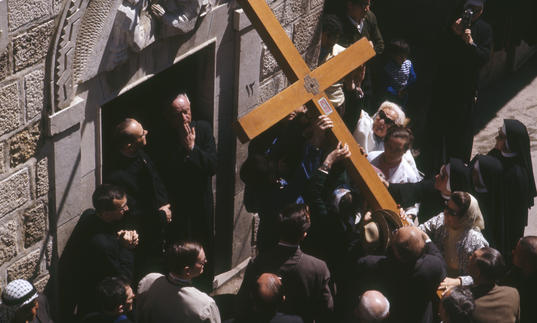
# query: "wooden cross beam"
[[308, 88]]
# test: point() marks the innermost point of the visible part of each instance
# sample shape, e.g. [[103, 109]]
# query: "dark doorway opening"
[[147, 103]]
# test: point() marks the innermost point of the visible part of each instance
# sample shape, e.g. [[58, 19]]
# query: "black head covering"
[[459, 176], [518, 141], [491, 170], [492, 202]]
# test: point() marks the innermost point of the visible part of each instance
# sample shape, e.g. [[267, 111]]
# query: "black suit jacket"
[[370, 30], [410, 289], [306, 281]]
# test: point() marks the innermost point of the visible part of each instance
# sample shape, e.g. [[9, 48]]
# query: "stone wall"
[[26, 30], [45, 181]]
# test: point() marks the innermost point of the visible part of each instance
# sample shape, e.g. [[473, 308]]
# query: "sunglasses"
[[382, 115]]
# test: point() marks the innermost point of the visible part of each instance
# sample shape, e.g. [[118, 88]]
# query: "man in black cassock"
[[188, 162], [464, 51], [150, 211], [97, 248]]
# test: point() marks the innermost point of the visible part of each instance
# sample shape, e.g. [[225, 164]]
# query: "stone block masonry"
[[34, 84], [300, 20], [35, 224], [27, 267], [4, 65], [22, 12], [31, 47], [23, 145], [24, 180], [14, 191], [42, 186], [8, 241], [10, 108], [2, 158]]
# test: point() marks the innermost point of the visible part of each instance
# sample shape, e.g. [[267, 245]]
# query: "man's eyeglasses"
[[382, 115]]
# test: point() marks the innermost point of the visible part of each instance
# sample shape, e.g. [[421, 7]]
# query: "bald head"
[[373, 307], [408, 244], [130, 132], [525, 254], [268, 293]]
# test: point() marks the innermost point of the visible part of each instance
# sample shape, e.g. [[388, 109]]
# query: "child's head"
[[331, 29], [398, 50]]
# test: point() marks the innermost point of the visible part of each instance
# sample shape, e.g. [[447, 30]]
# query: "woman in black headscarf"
[[487, 180], [513, 150], [432, 193]]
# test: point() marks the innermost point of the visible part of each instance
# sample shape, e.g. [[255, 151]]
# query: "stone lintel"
[[66, 118]]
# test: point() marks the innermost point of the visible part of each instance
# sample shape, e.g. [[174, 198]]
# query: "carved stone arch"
[[93, 36], [61, 59], [81, 25]]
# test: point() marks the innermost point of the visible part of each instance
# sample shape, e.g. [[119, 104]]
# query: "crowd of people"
[[454, 252]]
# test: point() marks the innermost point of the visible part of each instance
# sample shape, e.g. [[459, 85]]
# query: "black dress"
[[489, 169], [425, 193], [455, 89], [517, 180]]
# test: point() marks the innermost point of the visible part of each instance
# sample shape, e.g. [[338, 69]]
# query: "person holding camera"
[[464, 50]]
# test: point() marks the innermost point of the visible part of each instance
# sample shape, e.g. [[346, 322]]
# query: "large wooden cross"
[[307, 87]]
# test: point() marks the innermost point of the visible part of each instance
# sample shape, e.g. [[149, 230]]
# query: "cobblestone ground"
[[515, 97]]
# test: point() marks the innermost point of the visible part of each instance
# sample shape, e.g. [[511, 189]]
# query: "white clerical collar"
[[358, 26], [284, 244], [504, 154]]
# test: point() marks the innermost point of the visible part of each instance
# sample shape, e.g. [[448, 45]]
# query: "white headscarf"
[[473, 219]]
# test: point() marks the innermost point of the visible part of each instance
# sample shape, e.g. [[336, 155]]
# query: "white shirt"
[[405, 172], [335, 91], [358, 26]]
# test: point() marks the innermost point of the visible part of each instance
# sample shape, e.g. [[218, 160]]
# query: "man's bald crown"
[[269, 288], [409, 244], [125, 132], [373, 307]]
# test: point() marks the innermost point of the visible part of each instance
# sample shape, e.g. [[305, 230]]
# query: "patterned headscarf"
[[473, 219]]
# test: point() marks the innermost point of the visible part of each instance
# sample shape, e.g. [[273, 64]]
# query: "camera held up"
[[466, 19]]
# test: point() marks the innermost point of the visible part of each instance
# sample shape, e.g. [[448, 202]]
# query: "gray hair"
[[401, 117]]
